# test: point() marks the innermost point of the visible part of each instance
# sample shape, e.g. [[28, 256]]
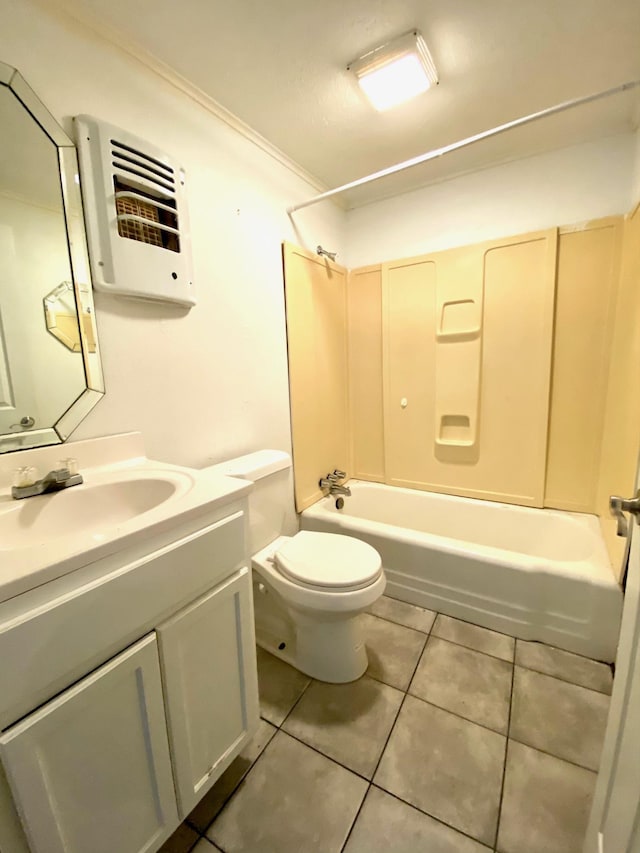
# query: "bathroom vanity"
[[128, 678]]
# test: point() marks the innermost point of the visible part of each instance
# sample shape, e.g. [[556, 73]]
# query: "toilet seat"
[[328, 561]]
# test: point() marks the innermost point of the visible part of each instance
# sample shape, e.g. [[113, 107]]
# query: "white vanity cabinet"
[[90, 770], [126, 689], [209, 672]]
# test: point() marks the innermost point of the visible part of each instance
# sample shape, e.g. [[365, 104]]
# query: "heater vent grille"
[[127, 159], [137, 216]]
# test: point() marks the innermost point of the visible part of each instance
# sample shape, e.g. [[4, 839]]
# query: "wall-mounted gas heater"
[[136, 215]]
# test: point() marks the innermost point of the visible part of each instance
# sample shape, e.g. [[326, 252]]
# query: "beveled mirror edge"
[[80, 266], [77, 412], [79, 261], [12, 441], [40, 113], [6, 73]]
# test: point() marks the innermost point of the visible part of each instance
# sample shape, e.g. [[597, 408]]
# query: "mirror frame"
[[79, 262]]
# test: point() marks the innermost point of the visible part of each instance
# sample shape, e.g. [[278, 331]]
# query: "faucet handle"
[[337, 475], [26, 475], [70, 463]]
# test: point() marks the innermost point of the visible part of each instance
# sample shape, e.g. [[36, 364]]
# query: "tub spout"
[[337, 489]]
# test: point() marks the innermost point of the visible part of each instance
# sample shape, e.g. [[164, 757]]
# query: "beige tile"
[[402, 613], [557, 717], [546, 803], [293, 800], [205, 846], [466, 682], [393, 650], [280, 687], [565, 665], [348, 722], [446, 766], [182, 840], [386, 824], [474, 637], [210, 805]]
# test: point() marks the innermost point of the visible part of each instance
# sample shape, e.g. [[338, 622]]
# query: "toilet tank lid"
[[254, 466]]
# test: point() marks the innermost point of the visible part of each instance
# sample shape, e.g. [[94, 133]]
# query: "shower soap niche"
[[136, 215]]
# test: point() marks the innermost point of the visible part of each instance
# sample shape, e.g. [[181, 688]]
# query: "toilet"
[[309, 587]]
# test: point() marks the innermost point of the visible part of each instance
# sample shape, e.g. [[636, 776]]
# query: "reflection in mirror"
[[61, 316], [50, 374]]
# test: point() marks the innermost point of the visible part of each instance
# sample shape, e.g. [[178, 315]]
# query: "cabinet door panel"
[[109, 612], [208, 661], [90, 771]]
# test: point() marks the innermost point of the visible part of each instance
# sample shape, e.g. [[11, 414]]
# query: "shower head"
[[330, 255]]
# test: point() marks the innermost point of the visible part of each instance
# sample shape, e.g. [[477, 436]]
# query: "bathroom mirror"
[[50, 371]]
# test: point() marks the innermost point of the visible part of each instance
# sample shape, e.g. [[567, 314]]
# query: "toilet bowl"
[[309, 588]]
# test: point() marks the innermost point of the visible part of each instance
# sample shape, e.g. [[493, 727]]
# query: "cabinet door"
[[90, 771], [208, 661]]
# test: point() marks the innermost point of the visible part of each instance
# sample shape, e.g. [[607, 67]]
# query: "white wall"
[[210, 383], [557, 188]]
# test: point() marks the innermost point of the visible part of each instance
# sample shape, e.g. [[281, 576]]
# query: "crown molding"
[[71, 9]]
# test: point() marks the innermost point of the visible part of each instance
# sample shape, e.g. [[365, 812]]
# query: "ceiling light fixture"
[[396, 72]]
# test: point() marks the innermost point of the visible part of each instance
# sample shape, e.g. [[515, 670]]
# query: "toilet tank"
[[271, 512]]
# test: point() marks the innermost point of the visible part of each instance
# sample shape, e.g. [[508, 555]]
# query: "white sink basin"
[[125, 502], [102, 502]]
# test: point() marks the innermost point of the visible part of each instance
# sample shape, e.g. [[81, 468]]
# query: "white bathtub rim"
[[597, 572]]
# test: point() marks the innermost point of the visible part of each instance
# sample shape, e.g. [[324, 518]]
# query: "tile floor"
[[457, 740]]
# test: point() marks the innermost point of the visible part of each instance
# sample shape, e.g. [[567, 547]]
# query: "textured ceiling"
[[280, 66]]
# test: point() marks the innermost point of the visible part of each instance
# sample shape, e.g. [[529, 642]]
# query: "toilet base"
[[331, 650]]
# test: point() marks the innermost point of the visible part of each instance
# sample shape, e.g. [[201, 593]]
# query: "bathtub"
[[536, 574]]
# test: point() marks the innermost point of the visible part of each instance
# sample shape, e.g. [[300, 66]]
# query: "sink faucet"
[[54, 481], [331, 482]]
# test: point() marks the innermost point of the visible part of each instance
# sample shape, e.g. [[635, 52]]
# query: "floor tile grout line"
[[429, 815], [560, 678], [564, 651], [505, 735], [388, 737], [553, 755], [459, 716], [295, 704], [355, 819], [328, 757], [474, 625], [209, 842], [235, 791], [429, 634], [506, 753], [203, 833], [417, 666], [384, 747], [401, 624], [370, 782], [472, 649], [400, 707]]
